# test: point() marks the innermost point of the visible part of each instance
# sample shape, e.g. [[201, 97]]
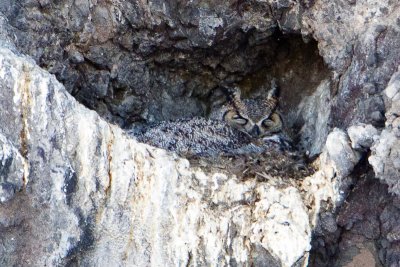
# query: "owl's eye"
[[239, 119], [273, 124], [267, 123]]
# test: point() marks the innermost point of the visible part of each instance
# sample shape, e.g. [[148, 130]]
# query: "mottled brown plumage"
[[222, 133], [255, 117]]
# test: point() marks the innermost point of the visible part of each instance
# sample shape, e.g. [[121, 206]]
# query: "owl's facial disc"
[[268, 125]]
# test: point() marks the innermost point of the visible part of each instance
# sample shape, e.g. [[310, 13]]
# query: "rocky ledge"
[[75, 189]]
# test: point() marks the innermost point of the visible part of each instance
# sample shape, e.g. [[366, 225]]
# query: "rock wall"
[[149, 61], [386, 150], [81, 192], [75, 190]]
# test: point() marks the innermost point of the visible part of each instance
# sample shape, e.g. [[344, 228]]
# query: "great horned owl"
[[255, 117], [237, 127]]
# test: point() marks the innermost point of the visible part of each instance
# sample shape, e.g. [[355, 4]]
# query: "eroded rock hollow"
[[77, 188]]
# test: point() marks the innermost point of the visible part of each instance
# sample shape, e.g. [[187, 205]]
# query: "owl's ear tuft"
[[233, 96]]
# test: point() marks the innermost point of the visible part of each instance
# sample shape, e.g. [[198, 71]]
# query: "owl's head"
[[255, 117]]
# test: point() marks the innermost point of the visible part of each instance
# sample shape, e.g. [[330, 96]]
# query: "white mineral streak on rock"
[[13, 71], [144, 206], [392, 90], [328, 183], [319, 188], [357, 22], [385, 156], [199, 219], [362, 135], [131, 203], [381, 150], [343, 157], [140, 206], [316, 112], [209, 24], [282, 223]]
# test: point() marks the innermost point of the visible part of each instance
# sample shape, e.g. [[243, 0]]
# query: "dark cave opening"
[[167, 70], [184, 87], [164, 72], [305, 94], [171, 84], [305, 89]]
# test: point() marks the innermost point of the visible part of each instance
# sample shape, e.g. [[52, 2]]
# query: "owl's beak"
[[255, 132]]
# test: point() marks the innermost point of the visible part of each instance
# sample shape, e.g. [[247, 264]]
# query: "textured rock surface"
[[152, 60], [365, 229], [92, 196], [75, 190], [362, 136], [386, 151], [12, 166], [340, 153]]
